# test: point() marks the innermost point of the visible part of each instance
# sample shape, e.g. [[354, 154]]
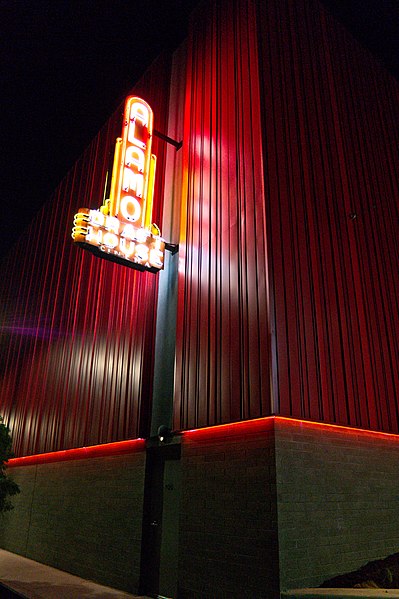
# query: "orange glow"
[[134, 163], [121, 229], [268, 423], [234, 429], [114, 177], [80, 225], [110, 236], [150, 192], [81, 453]]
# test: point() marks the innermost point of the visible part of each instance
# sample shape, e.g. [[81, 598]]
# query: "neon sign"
[[121, 229]]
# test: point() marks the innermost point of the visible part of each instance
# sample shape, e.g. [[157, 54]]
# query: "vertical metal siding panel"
[[330, 189], [194, 232], [204, 228], [231, 343], [259, 357], [222, 369], [353, 331], [330, 131], [213, 351], [174, 171], [179, 405], [369, 145], [299, 226], [290, 371]]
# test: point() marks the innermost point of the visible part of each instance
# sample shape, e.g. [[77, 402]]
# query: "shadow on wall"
[[378, 574]]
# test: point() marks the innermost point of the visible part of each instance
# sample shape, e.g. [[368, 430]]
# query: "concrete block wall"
[[14, 525], [292, 506], [83, 517], [284, 507], [228, 520], [337, 500]]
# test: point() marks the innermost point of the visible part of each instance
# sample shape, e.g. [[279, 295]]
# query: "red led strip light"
[[266, 424], [257, 425], [80, 453]]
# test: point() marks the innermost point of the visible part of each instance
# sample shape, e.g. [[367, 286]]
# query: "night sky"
[[66, 65]]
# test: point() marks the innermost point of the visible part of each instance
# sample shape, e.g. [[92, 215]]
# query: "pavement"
[[340, 594], [33, 580]]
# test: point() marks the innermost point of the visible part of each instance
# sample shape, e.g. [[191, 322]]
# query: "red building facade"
[[78, 359], [289, 294], [283, 200], [288, 254]]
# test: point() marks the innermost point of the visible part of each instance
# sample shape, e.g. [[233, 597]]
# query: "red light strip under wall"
[[80, 453], [258, 425]]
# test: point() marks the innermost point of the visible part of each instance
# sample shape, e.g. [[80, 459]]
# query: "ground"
[[382, 573]]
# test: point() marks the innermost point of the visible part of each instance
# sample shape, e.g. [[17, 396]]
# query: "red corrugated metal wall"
[[328, 216], [330, 131], [288, 299], [223, 337], [77, 332]]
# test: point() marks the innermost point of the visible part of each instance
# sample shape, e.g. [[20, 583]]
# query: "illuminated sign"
[[121, 230]]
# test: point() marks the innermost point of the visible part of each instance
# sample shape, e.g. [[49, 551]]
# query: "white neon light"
[[131, 136], [112, 224], [141, 235], [130, 209], [142, 252], [110, 240], [96, 218], [155, 258], [140, 111], [127, 247], [135, 157], [133, 182], [129, 232], [94, 236]]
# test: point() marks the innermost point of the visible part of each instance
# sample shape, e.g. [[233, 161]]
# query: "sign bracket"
[[169, 140], [173, 248]]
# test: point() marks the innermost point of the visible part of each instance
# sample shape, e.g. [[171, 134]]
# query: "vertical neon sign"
[[137, 163], [121, 229]]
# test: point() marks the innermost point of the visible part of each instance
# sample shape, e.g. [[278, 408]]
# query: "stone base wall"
[[337, 500], [228, 519], [84, 517], [289, 507], [261, 511]]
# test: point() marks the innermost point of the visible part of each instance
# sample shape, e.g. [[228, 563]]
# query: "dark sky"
[[66, 64]]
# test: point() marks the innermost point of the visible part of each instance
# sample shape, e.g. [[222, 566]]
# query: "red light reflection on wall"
[[268, 423], [235, 429], [246, 427], [80, 453]]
